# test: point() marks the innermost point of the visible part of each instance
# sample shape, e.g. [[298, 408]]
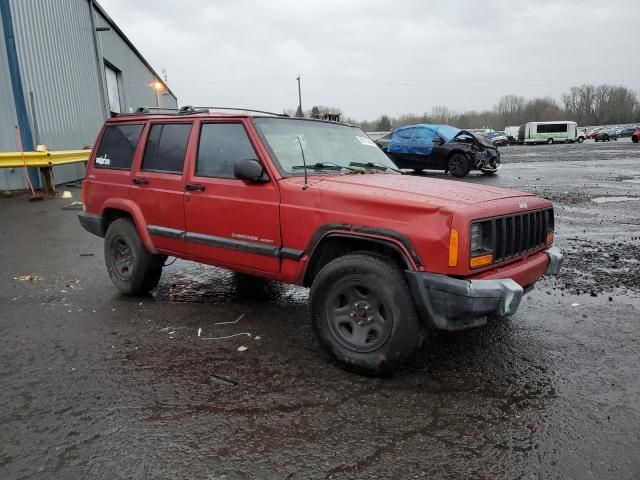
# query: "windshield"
[[322, 142]]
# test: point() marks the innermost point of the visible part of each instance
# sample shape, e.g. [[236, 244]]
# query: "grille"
[[518, 234]]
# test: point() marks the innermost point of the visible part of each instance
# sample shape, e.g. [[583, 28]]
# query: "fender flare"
[[390, 238], [130, 207]]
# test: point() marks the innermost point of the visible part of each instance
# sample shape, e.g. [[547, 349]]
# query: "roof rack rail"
[[237, 109], [191, 110]]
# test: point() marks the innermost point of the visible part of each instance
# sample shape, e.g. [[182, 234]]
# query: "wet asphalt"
[[94, 384]]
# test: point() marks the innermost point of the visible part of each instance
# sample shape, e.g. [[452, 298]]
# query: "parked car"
[[635, 138], [627, 131], [593, 132], [441, 147], [499, 139], [605, 136], [314, 203]]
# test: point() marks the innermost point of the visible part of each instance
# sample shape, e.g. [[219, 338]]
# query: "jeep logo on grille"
[[523, 205]]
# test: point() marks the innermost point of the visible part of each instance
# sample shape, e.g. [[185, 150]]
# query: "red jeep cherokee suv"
[[317, 204]]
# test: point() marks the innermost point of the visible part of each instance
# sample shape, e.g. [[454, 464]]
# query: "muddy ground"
[[94, 384]]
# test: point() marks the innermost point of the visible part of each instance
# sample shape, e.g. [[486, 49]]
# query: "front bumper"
[[449, 303]]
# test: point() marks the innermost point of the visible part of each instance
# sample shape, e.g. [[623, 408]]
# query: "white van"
[[548, 132], [512, 134]]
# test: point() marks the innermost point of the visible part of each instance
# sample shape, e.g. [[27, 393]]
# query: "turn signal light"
[[453, 248], [549, 239], [481, 261]]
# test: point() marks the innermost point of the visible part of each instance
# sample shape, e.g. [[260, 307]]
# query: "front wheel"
[[549, 141], [363, 314], [635, 139], [580, 139], [459, 165], [133, 270]]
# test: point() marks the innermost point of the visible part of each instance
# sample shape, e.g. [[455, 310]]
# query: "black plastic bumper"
[[449, 303], [92, 223]]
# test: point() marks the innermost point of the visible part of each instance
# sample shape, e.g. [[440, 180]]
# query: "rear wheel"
[[635, 138], [549, 141], [133, 270], [580, 139], [459, 165], [363, 314]]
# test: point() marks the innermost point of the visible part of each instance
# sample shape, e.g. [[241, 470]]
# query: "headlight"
[[481, 242], [476, 237]]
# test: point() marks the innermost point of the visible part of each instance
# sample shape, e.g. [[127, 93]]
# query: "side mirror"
[[250, 170], [438, 141]]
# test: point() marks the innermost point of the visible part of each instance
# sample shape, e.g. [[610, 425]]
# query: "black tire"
[[488, 172], [549, 141], [459, 165], [635, 139], [580, 139], [363, 314], [133, 270]]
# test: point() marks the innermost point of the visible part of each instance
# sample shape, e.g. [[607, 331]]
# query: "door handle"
[[140, 181], [194, 186]]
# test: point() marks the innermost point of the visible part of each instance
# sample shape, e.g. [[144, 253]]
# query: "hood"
[[481, 139], [408, 190]]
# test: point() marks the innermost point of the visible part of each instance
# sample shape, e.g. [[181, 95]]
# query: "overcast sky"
[[371, 57]]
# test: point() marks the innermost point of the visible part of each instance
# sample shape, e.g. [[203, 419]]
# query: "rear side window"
[[117, 145], [166, 146], [221, 146]]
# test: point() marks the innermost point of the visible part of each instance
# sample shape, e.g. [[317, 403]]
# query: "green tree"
[[383, 124]]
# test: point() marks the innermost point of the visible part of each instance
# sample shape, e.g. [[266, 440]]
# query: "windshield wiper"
[[376, 166], [324, 166]]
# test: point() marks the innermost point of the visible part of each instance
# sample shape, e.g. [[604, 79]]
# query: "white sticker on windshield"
[[366, 141]]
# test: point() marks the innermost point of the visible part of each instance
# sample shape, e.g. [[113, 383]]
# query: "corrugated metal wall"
[[58, 64], [9, 179], [136, 77]]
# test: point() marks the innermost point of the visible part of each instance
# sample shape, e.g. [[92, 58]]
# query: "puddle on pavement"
[[192, 283], [614, 199]]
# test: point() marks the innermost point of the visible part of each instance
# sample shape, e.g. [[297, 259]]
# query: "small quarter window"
[[221, 146], [117, 145], [166, 146]]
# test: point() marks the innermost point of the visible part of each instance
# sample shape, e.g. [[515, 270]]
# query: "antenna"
[[304, 162]]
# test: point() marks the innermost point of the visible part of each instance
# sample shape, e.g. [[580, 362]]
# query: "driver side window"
[[221, 145]]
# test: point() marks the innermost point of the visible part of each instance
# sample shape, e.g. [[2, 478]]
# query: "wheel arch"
[[329, 244], [459, 150], [123, 208]]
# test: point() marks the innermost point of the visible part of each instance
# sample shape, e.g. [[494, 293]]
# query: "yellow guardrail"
[[43, 159]]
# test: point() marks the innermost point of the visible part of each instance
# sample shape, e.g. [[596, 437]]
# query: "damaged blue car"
[[440, 147]]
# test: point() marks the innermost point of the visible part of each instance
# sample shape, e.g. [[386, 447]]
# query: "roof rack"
[[191, 110]]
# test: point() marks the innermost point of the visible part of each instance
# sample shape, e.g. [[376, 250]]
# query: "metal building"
[[65, 67]]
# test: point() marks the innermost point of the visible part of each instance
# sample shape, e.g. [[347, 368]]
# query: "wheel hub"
[[122, 258], [358, 318]]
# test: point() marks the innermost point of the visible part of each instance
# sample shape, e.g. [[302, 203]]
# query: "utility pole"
[[299, 112]]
